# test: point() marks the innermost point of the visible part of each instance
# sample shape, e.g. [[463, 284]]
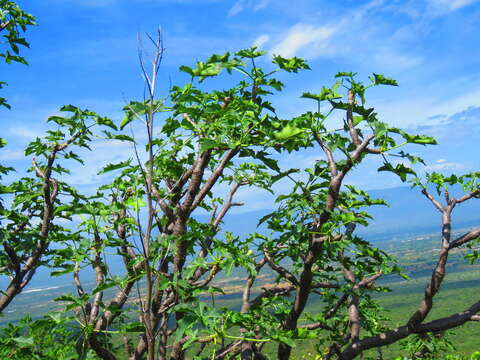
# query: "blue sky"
[[84, 52]]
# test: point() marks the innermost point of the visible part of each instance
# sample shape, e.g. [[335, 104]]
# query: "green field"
[[416, 254], [460, 289]]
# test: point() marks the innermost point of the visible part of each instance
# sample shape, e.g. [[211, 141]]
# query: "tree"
[[13, 22], [153, 216]]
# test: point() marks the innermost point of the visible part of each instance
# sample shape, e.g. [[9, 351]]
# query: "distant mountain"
[[408, 212]]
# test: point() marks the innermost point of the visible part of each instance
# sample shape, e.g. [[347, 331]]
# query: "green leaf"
[[136, 203], [250, 53], [288, 132], [401, 170], [271, 163], [290, 65], [127, 119], [345, 74], [69, 108], [207, 144], [66, 270], [421, 139], [133, 327], [120, 137], [187, 69], [24, 340], [210, 70], [112, 167], [3, 102], [103, 286], [325, 94], [107, 122], [382, 80]]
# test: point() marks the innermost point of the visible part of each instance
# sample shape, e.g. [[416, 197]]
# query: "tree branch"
[[468, 196], [402, 332], [430, 197], [214, 177], [465, 238]]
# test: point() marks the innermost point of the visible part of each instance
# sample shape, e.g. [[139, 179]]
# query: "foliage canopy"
[[152, 215]]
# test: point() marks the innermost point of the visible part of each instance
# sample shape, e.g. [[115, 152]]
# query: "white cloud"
[[242, 5], [450, 5], [261, 5], [237, 8], [301, 36], [460, 102], [424, 11], [354, 35], [457, 4], [97, 3], [184, 48], [424, 110], [444, 166], [261, 40], [389, 58], [103, 153], [11, 155], [91, 3], [24, 132]]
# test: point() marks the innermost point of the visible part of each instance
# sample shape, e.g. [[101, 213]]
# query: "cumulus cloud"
[[457, 136], [445, 166], [242, 5], [445, 6], [261, 40], [392, 59], [91, 3], [24, 132], [11, 155], [357, 33], [429, 108], [460, 126], [301, 36]]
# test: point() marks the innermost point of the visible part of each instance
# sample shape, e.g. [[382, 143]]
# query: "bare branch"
[[193, 192], [220, 354], [468, 196], [67, 143], [77, 282], [284, 273], [351, 128], [98, 266], [368, 281], [315, 326], [465, 238], [336, 307], [430, 197], [13, 256], [402, 332], [331, 161], [213, 271], [38, 171], [214, 177], [353, 312], [23, 277], [228, 205], [431, 290], [101, 351]]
